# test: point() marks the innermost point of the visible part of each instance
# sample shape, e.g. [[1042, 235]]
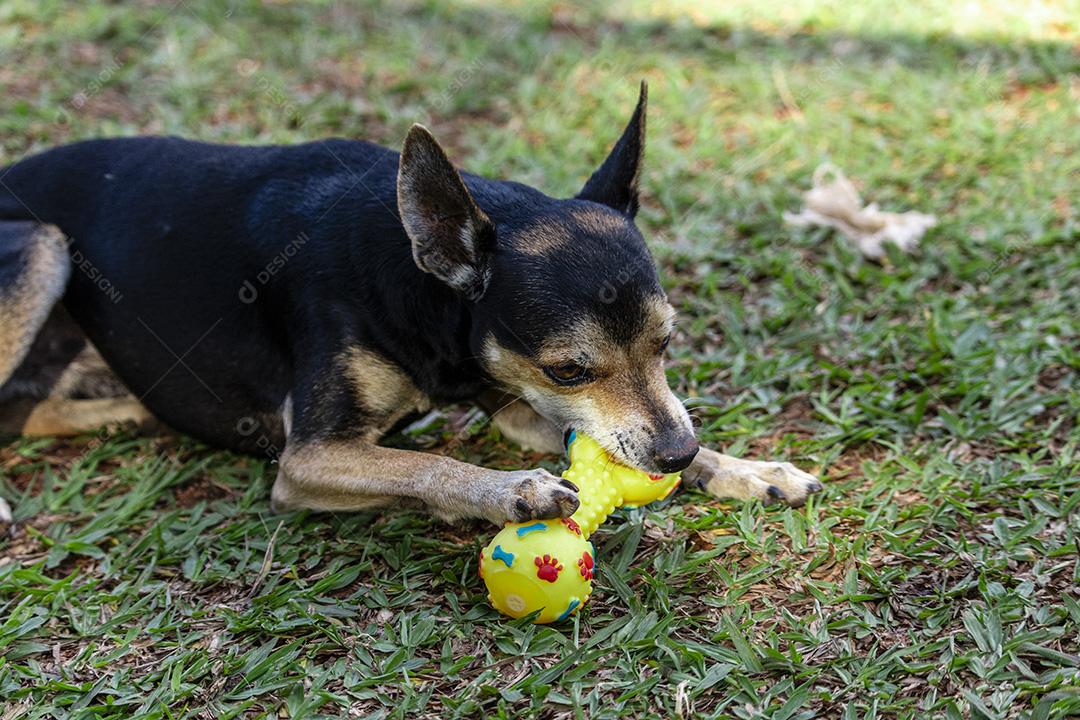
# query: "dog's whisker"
[[491, 416]]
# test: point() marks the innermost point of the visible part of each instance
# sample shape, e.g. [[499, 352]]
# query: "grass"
[[936, 395]]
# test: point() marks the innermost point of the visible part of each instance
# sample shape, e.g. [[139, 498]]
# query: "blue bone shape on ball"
[[499, 554], [535, 527]]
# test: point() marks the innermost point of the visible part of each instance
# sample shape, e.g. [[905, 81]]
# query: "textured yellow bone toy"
[[548, 565]]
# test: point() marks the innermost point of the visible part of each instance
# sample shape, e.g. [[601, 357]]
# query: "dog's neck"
[[418, 323]]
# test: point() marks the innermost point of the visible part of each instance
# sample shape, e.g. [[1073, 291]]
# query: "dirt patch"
[[200, 489], [849, 465]]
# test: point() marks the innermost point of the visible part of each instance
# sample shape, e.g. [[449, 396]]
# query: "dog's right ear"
[[451, 236]]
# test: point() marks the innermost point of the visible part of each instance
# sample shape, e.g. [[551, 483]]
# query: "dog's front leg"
[[355, 475], [332, 461], [724, 476]]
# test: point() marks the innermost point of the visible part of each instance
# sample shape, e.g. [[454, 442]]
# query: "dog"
[[315, 297]]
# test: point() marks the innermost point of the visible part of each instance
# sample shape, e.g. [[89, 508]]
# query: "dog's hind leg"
[[34, 271], [59, 417]]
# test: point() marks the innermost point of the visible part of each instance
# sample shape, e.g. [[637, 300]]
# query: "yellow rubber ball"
[[545, 565]]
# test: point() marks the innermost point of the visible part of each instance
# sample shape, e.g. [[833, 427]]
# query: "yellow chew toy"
[[548, 565]]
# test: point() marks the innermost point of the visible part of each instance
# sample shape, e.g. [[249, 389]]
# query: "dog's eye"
[[568, 373], [663, 344]]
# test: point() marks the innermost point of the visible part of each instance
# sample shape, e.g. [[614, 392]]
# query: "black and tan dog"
[[311, 298]]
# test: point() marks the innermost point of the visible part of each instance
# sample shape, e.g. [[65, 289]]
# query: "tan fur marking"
[[508, 367], [660, 318], [381, 387], [542, 238], [57, 417], [25, 305], [88, 375], [583, 336], [598, 221]]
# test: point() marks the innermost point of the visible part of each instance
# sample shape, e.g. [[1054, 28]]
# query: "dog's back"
[[155, 246]]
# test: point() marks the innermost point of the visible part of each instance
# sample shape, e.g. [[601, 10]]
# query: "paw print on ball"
[[572, 524], [548, 568], [585, 565]]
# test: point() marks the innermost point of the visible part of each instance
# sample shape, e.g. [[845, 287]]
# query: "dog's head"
[[568, 311]]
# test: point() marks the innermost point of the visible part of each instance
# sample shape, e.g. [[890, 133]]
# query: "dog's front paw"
[[723, 476], [539, 495]]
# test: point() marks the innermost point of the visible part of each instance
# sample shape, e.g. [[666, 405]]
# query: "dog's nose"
[[675, 453]]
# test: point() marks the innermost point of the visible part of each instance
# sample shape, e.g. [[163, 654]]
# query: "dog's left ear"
[[615, 184], [451, 236]]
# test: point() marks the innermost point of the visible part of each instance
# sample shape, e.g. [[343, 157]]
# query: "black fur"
[[615, 184], [13, 265]]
